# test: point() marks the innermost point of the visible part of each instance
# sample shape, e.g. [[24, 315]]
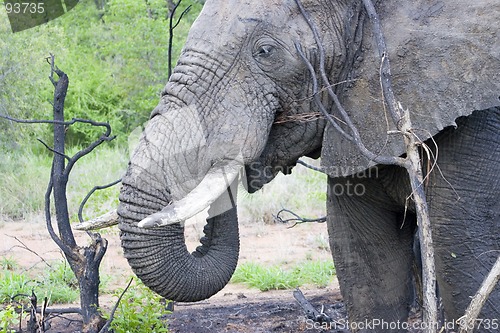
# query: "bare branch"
[[84, 201], [60, 310], [104, 221], [53, 150], [385, 69], [467, 322], [310, 311]]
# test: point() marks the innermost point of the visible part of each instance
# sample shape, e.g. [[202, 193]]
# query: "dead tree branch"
[[310, 311], [402, 121], [309, 166], [84, 261], [468, 321]]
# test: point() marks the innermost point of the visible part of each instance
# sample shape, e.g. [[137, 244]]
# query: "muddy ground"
[[236, 308]]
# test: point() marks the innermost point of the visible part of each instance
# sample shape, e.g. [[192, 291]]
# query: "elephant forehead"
[[220, 19]]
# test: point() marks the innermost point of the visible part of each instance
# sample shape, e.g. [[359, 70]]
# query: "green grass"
[[8, 319], [8, 263], [317, 273]]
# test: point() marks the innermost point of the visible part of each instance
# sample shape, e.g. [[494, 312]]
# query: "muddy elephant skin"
[[240, 98]]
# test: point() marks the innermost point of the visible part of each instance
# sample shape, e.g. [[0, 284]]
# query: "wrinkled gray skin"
[[240, 72]]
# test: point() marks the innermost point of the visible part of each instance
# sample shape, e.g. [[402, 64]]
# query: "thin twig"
[[301, 117], [25, 247], [172, 26], [84, 201], [53, 150]]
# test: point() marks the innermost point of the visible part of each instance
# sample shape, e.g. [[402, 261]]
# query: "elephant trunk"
[[159, 256], [176, 171]]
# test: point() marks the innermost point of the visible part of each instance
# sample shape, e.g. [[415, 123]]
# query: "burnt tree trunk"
[[84, 261]]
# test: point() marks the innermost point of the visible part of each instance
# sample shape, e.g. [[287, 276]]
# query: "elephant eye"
[[265, 51]]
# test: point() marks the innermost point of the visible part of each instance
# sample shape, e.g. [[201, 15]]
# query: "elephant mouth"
[[258, 174]]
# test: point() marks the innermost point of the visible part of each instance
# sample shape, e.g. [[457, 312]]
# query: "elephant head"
[[240, 96]]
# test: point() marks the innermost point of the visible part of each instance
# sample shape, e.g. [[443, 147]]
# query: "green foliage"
[[319, 273], [12, 284], [140, 311], [59, 284], [116, 60], [8, 319]]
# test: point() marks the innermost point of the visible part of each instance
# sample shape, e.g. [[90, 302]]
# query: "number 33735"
[[24, 8]]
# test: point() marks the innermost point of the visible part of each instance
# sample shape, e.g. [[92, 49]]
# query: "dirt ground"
[[236, 308]]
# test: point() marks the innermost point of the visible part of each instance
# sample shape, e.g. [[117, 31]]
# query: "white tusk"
[[212, 186], [104, 221]]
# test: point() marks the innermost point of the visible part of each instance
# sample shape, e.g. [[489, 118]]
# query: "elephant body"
[[241, 97], [372, 235]]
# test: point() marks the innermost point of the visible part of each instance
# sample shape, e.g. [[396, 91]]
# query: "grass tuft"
[[317, 273]]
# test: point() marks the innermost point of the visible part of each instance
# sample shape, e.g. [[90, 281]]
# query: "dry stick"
[[469, 319], [402, 121], [310, 311], [309, 166]]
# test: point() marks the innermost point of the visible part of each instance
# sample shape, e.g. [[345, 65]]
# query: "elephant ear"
[[445, 63]]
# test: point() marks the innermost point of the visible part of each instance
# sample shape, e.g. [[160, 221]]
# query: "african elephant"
[[241, 95]]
